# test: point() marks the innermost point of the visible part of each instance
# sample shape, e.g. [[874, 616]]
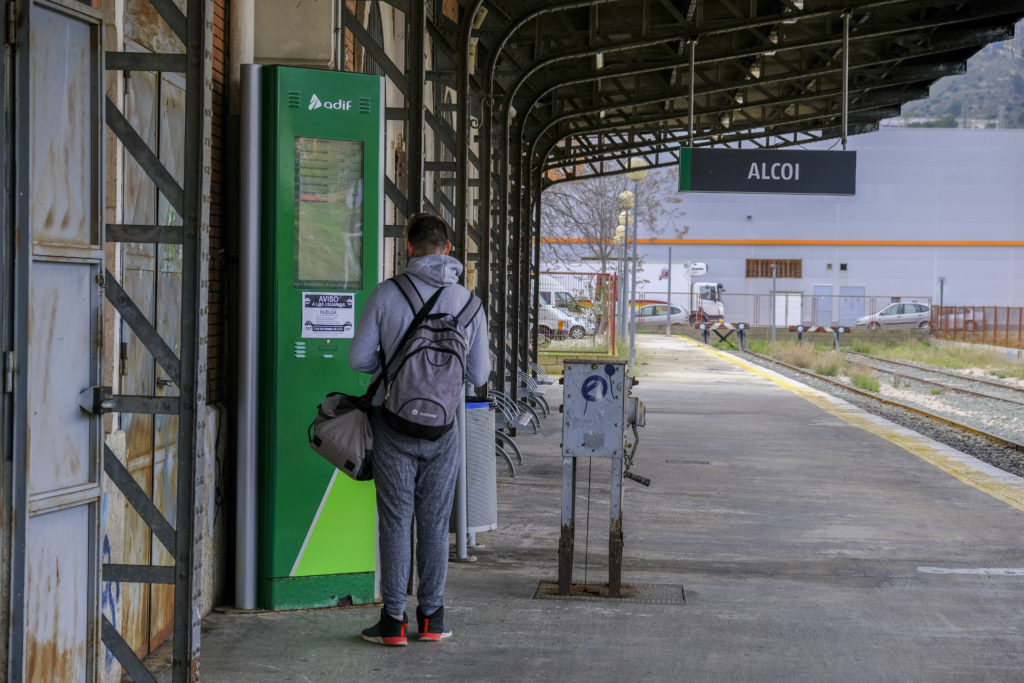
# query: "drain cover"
[[651, 593]]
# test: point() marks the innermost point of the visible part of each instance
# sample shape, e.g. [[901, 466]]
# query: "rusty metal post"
[[615, 529], [568, 537]]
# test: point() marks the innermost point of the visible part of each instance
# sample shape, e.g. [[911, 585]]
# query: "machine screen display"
[[328, 213]]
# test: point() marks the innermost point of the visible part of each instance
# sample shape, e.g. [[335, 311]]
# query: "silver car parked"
[[653, 317], [900, 314]]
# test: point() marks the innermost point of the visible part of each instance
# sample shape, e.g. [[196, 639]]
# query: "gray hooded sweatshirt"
[[387, 315]]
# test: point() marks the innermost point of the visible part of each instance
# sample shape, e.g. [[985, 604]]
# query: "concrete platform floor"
[[811, 542]]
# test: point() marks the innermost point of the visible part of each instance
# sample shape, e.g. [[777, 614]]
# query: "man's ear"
[[408, 248], [447, 247]]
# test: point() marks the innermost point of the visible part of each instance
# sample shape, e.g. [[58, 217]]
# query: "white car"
[[900, 314]]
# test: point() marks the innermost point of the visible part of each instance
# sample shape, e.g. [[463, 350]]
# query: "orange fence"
[[995, 325]]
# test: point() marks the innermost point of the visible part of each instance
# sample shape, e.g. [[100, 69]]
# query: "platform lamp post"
[[637, 172], [621, 239]]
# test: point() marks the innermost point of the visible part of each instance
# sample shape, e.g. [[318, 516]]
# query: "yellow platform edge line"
[[971, 476]]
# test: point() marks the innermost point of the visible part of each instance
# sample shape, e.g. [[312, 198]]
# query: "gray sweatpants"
[[413, 475]]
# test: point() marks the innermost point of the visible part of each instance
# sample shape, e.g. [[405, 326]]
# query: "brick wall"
[[216, 375]]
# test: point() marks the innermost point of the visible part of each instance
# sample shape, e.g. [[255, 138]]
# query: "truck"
[[702, 299]]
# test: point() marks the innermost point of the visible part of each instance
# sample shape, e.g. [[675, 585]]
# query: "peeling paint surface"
[[59, 361], [58, 561], [62, 153]]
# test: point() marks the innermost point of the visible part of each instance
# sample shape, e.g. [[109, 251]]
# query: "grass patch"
[[942, 356], [864, 380], [829, 363], [936, 391], [760, 346], [795, 353], [952, 358], [821, 359]]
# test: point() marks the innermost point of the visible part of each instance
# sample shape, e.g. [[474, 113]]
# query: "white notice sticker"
[[327, 315]]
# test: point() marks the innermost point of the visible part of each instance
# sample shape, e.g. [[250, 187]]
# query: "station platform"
[[786, 536]]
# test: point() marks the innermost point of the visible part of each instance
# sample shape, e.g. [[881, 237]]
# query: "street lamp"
[[637, 172], [625, 219], [620, 242]]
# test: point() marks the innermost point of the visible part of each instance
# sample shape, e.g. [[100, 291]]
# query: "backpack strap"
[[409, 291], [421, 313], [469, 311]]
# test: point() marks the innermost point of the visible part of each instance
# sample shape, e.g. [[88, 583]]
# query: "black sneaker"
[[432, 627], [387, 631]]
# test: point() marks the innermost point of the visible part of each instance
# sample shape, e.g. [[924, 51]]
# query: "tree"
[[585, 213]]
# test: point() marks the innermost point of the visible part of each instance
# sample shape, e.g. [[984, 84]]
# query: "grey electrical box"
[[594, 406]]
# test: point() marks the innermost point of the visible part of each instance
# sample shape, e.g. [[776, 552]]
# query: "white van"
[[559, 314], [553, 293], [558, 323]]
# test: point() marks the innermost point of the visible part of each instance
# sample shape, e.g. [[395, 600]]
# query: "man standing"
[[411, 474]]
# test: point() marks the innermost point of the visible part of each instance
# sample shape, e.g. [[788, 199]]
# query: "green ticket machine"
[[320, 256]]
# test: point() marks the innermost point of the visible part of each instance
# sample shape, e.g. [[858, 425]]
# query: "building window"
[[762, 267]]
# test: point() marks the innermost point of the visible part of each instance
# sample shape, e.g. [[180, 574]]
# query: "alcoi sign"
[[767, 171]]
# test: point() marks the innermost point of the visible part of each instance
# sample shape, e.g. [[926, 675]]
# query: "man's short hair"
[[427, 233]]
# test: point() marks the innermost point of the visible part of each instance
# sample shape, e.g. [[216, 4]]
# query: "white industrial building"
[[938, 215]]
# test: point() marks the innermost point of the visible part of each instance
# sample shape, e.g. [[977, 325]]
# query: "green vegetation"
[[821, 359], [991, 91], [830, 364], [760, 346], [945, 356], [947, 121], [864, 380]]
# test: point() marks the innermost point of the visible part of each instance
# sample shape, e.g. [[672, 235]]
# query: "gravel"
[[997, 417]]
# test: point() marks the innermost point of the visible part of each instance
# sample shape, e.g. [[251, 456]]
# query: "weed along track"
[[943, 379], [977, 416]]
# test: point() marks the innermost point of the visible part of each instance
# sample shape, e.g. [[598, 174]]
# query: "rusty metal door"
[[58, 266]]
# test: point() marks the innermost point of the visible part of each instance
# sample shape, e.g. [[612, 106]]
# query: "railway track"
[[1003, 450], [948, 381]]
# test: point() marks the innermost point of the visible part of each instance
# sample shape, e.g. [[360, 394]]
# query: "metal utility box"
[[597, 409], [594, 406]]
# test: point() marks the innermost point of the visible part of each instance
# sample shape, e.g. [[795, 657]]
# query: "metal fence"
[[793, 308], [995, 325], [568, 302], [593, 296]]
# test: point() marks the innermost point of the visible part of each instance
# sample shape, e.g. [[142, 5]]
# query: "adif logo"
[[316, 103]]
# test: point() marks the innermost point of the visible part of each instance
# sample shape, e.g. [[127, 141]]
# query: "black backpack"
[[426, 376]]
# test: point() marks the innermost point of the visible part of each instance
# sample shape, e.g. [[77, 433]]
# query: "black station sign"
[[767, 171]]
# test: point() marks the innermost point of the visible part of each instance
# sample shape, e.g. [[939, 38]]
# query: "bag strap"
[[469, 311], [408, 289], [421, 314]]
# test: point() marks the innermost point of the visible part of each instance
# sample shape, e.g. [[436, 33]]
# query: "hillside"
[[989, 95]]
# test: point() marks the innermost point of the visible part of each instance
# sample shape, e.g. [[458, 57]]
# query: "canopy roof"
[[589, 83]]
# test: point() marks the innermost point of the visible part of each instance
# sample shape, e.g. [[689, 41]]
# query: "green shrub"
[[864, 380], [760, 346], [795, 353], [830, 364]]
